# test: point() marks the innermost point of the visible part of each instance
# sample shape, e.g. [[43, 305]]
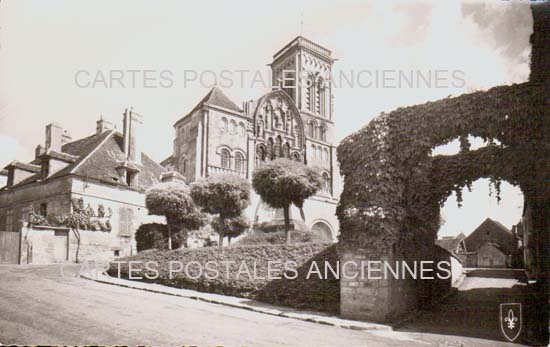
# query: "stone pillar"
[[361, 298]]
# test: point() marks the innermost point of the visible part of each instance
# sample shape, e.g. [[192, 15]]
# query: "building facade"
[[295, 120], [105, 171]]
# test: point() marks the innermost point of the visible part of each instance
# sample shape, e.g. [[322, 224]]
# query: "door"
[[10, 244], [61, 245]]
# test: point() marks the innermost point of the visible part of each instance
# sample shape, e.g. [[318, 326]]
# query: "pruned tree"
[[283, 182], [173, 201], [78, 219], [233, 227], [223, 195]]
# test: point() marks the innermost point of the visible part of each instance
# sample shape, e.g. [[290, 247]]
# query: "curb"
[[274, 311]]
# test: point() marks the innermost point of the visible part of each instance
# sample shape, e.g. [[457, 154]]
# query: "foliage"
[[283, 182], [279, 237], [37, 219], [173, 201], [225, 196], [313, 293], [233, 226], [155, 236], [394, 188]]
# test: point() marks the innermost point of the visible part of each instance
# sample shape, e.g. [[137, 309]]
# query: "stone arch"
[[390, 209], [323, 229]]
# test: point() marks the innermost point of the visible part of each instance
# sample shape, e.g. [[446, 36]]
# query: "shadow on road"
[[474, 309]]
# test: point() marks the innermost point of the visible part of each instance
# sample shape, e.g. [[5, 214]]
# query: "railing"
[[221, 170]]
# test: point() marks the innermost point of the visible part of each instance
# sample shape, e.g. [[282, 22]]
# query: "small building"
[[491, 244], [106, 172]]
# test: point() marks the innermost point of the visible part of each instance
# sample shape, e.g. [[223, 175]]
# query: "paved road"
[[38, 306], [474, 310]]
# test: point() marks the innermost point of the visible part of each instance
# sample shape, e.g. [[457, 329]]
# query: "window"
[[286, 150], [278, 147], [125, 226], [270, 148], [311, 130], [44, 209], [326, 182], [131, 178], [9, 220], [223, 125], [313, 152], [241, 129], [296, 156], [239, 163], [117, 253], [325, 154], [233, 127], [45, 169], [225, 159], [322, 133], [260, 155], [184, 166]]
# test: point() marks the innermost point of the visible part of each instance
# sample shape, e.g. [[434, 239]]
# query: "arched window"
[[319, 153], [325, 154], [311, 129], [225, 159], [326, 182], [233, 127], [260, 155], [270, 148], [184, 168], [278, 147], [241, 129], [309, 94], [286, 151], [313, 152], [322, 133], [296, 156], [223, 125], [239, 162]]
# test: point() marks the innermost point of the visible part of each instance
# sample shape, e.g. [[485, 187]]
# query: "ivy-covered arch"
[[394, 188]]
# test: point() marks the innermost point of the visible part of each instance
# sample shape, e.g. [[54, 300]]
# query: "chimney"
[[66, 137], [39, 151], [132, 124], [103, 125], [54, 137]]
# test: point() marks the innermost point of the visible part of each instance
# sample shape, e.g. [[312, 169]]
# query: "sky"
[[51, 54]]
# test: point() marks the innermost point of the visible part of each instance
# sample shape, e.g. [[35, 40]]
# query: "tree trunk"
[[221, 232], [302, 214], [286, 211], [169, 235], [77, 235]]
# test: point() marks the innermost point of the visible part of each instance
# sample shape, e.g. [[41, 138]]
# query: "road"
[[38, 306]]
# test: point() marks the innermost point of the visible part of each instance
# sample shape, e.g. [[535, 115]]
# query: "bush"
[[314, 293], [155, 236], [278, 237]]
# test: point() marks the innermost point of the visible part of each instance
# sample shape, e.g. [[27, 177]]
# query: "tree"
[[173, 201], [78, 219], [233, 226], [223, 195], [283, 182]]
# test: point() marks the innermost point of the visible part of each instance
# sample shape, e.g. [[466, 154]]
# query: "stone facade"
[[295, 121], [103, 170]]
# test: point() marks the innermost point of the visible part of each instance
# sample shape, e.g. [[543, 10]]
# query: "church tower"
[[303, 70]]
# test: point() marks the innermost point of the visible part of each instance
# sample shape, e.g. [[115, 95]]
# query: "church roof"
[[215, 97]]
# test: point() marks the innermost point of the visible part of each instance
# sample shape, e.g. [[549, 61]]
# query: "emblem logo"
[[510, 320]]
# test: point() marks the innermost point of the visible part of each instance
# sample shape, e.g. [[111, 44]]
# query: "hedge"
[[313, 293]]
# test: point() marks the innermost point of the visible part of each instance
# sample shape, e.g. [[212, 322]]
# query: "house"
[[491, 244], [106, 172], [295, 120], [455, 245]]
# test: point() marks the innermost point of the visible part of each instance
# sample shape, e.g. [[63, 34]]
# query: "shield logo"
[[510, 320]]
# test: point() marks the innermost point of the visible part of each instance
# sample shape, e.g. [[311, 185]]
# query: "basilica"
[[294, 120]]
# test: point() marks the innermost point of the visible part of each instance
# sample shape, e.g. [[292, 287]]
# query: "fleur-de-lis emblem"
[[511, 320]]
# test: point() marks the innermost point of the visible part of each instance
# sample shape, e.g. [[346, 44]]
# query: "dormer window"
[[131, 179], [45, 169]]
